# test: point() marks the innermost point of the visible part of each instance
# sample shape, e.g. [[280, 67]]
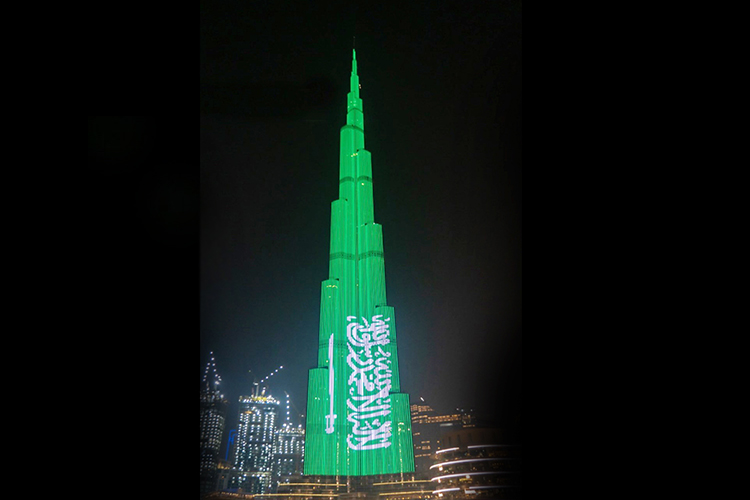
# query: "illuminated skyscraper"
[[213, 417], [288, 449], [288, 452], [255, 438], [358, 421]]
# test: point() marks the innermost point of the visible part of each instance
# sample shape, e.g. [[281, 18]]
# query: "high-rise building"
[[358, 421], [288, 449], [256, 431], [213, 418], [288, 452]]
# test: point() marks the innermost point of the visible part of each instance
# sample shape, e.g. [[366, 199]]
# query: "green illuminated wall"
[[358, 420]]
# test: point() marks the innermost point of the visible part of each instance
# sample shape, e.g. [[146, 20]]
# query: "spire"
[[354, 87]]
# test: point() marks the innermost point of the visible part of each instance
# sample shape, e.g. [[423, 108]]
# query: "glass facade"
[[358, 420]]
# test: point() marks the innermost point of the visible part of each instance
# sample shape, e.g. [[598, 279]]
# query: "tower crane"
[[300, 416], [257, 384]]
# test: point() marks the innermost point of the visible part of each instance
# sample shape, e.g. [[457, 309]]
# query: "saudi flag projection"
[[358, 420]]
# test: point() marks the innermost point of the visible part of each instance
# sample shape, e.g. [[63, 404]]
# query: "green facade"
[[358, 420]]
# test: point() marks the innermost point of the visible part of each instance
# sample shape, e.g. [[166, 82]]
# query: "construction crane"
[[257, 384], [300, 416]]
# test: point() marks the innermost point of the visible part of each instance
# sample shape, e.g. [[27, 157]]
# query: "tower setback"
[[358, 420]]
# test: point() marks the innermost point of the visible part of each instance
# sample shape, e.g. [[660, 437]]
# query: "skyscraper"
[[288, 449], [288, 452], [358, 420], [213, 417], [256, 431]]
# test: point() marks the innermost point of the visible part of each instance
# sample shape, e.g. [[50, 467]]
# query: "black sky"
[[441, 85]]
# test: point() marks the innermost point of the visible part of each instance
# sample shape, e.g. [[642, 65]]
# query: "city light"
[[447, 449], [465, 474], [463, 461]]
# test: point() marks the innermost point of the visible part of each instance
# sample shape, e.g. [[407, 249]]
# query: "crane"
[[300, 416], [257, 384]]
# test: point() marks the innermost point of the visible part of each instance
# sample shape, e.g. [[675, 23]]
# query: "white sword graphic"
[[331, 416]]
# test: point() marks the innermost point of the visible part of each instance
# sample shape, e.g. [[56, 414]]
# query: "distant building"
[[427, 428], [289, 452], [477, 463], [213, 418], [258, 421]]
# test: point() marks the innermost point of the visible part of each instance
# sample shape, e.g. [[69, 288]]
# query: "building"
[[213, 418], [226, 477], [477, 463], [386, 486], [427, 429], [358, 420], [289, 452], [311, 487], [256, 432]]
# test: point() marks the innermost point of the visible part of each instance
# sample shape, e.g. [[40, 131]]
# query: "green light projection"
[[358, 420]]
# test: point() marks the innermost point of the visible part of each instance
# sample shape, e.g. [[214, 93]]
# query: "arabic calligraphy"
[[369, 383]]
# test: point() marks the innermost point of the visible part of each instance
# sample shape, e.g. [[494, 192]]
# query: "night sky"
[[441, 86]]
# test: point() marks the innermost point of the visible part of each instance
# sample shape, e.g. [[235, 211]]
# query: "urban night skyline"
[[237, 245], [442, 94]]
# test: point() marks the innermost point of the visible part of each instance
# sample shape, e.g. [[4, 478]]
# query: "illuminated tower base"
[[358, 420]]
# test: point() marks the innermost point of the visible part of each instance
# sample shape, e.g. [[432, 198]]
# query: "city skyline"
[[421, 412], [444, 118]]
